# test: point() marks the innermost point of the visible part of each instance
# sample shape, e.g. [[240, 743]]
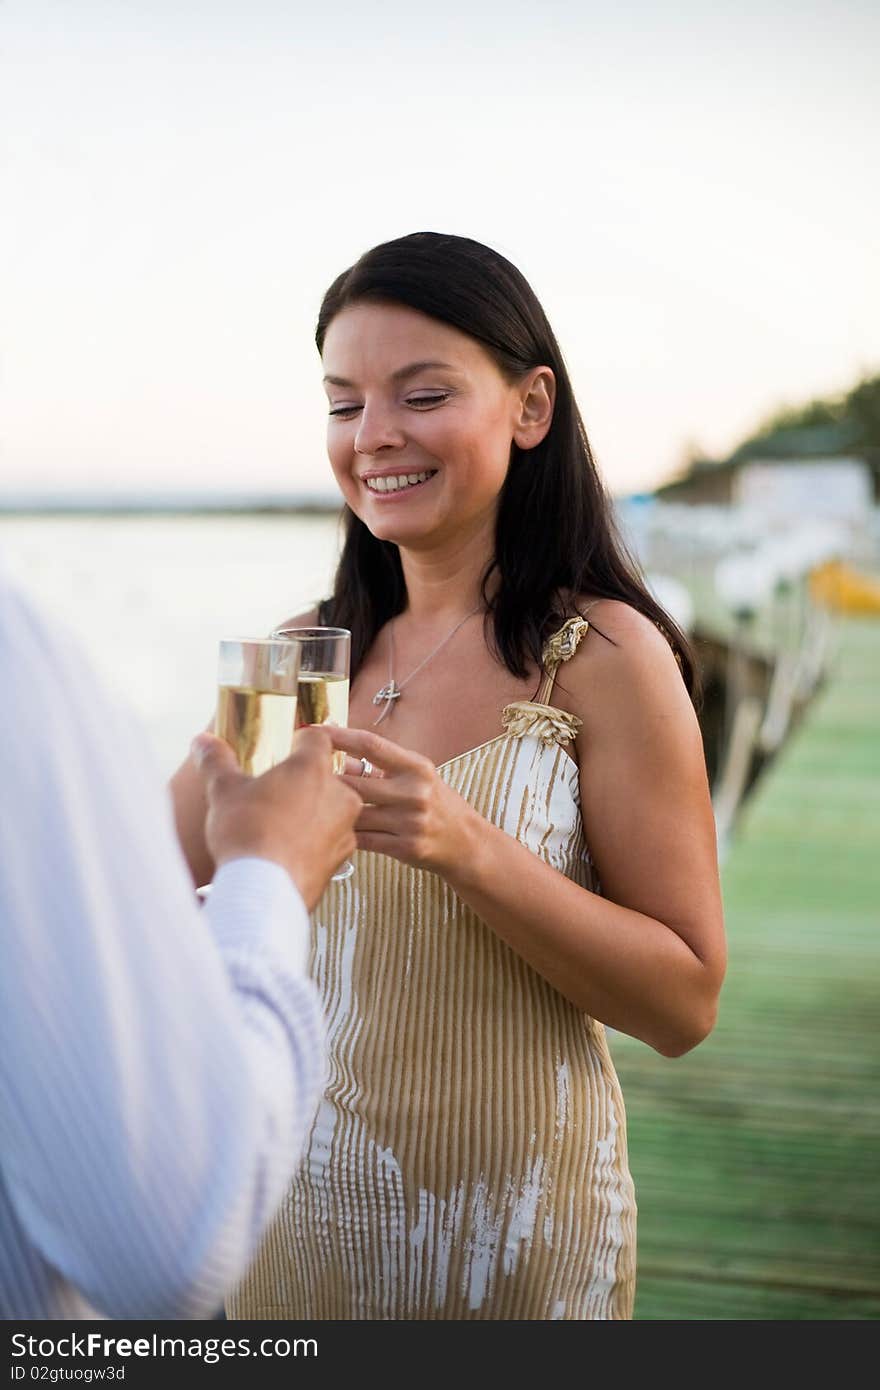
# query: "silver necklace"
[[391, 691]]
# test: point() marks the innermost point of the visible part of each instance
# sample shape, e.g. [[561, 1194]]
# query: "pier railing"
[[742, 583]]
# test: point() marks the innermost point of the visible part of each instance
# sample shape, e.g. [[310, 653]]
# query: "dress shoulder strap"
[[559, 647], [538, 717]]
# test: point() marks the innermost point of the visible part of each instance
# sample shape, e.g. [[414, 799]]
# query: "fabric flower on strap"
[[546, 722]]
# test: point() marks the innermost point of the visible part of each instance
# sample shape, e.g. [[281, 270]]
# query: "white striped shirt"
[[160, 1063]]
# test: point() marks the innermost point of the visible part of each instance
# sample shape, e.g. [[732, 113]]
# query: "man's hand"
[[298, 814]]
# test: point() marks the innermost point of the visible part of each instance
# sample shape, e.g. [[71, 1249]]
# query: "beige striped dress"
[[469, 1156]]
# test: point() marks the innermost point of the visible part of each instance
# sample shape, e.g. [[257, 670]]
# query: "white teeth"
[[394, 483]]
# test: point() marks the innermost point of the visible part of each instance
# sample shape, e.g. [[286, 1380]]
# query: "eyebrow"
[[412, 369]]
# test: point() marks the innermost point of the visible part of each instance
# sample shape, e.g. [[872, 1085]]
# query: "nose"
[[377, 429]]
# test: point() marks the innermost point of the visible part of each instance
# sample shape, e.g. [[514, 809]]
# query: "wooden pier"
[[757, 1156]]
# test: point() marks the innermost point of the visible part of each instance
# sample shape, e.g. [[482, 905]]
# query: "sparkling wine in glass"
[[322, 689], [257, 700]]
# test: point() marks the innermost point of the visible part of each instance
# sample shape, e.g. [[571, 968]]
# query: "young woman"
[[537, 854]]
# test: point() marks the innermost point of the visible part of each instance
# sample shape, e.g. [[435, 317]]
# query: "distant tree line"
[[846, 425]]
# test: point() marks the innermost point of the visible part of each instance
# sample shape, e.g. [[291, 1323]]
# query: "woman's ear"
[[537, 396]]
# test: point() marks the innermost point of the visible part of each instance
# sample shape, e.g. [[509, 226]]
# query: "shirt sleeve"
[[160, 1063]]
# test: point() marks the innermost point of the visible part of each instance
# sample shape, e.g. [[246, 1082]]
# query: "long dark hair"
[[555, 532]]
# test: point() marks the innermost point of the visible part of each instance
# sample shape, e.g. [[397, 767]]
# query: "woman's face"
[[421, 424]]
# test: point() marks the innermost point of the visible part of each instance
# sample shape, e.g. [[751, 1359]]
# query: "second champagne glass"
[[322, 689]]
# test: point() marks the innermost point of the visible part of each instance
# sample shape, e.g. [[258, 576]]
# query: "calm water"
[[149, 598]]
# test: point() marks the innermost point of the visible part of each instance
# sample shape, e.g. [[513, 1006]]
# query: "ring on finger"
[[366, 768]]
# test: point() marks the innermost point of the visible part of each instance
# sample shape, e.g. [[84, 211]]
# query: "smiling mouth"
[[398, 482]]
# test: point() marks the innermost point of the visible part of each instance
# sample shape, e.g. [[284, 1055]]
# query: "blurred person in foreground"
[[160, 1063], [537, 854]]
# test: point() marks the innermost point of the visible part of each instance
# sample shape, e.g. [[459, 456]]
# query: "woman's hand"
[[409, 811]]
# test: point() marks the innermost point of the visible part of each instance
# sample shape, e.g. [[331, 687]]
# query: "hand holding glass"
[[256, 703], [270, 687], [324, 667]]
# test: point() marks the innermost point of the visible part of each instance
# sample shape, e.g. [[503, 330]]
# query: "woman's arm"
[[189, 800], [646, 958]]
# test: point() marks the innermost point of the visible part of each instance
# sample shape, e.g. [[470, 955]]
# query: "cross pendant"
[[389, 693]]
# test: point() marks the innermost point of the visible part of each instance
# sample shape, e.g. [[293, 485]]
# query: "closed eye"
[[424, 400]]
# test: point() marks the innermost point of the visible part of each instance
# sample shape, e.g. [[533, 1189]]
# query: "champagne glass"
[[257, 700], [256, 703], [322, 694]]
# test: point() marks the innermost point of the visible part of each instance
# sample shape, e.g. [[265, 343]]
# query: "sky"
[[690, 188]]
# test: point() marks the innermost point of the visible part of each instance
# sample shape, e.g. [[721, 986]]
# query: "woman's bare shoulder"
[[624, 627], [623, 664]]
